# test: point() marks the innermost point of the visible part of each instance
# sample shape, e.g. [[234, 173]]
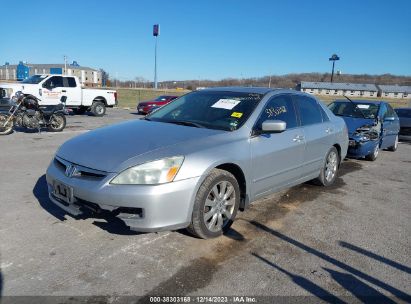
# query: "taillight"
[[115, 96]]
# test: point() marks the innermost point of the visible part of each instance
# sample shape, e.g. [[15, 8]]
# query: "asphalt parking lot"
[[339, 244]]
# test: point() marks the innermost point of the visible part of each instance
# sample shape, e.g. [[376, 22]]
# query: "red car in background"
[[146, 107]]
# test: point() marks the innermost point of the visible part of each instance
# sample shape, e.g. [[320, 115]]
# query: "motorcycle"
[[27, 113]]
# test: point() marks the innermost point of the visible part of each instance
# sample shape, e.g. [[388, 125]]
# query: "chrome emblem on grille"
[[71, 171]]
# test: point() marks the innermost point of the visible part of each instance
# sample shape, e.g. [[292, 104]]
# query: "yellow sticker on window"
[[236, 114]]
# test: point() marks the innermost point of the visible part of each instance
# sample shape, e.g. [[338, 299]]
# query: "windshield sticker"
[[227, 104], [236, 114], [275, 111], [363, 106]]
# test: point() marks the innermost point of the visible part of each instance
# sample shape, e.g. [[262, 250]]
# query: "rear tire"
[[329, 170], [395, 146], [8, 129], [215, 205], [57, 122], [373, 156], [98, 108]]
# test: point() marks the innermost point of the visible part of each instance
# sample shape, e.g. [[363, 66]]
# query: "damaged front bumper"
[[359, 149]]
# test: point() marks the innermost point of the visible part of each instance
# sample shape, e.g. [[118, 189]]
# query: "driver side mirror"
[[273, 126]]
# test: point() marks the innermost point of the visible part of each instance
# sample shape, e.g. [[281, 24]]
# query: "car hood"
[[107, 148], [354, 123]]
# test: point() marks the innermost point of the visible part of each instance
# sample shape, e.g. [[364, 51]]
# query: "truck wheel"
[[98, 108], [215, 205]]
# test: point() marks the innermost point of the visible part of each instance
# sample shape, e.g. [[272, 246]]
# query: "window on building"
[[86, 78], [385, 94], [327, 92], [405, 95], [395, 94], [335, 92], [320, 91], [371, 93]]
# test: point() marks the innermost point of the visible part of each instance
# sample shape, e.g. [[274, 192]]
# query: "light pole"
[[156, 33], [333, 58]]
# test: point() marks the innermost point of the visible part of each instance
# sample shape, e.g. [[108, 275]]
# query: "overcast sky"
[[212, 39]]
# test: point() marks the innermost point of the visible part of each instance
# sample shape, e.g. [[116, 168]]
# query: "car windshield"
[[35, 79], [357, 110], [406, 113], [161, 98], [213, 110]]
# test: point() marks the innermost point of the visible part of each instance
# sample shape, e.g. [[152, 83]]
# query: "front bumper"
[[144, 208], [358, 149]]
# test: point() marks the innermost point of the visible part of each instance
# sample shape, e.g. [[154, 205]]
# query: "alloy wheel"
[[219, 206], [331, 166]]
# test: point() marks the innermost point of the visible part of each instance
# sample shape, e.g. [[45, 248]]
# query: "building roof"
[[339, 86], [48, 66], [395, 89]]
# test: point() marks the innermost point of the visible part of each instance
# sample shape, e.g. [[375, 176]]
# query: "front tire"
[[373, 156], [98, 108], [394, 147], [330, 168], [5, 129], [57, 122], [216, 205]]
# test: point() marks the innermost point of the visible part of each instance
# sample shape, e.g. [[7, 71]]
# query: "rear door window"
[[309, 110], [69, 82]]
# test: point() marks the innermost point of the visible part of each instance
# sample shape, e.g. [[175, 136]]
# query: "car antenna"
[[362, 113]]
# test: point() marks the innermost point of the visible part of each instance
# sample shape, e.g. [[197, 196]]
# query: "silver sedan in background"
[[198, 160]]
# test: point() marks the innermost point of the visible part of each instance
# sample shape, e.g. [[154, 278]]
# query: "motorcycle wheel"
[[5, 129], [57, 122]]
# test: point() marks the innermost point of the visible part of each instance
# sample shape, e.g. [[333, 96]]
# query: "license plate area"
[[63, 192]]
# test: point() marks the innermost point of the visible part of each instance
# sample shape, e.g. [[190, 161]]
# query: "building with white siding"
[[88, 77], [338, 89], [395, 91]]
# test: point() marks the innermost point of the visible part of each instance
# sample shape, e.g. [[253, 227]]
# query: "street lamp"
[[156, 33], [333, 58]]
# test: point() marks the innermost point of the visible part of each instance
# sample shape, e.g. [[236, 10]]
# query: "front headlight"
[[155, 172]]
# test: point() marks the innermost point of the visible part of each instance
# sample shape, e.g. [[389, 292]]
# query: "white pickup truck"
[[50, 88]]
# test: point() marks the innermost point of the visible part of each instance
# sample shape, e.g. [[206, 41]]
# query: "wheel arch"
[[101, 99], [338, 147], [242, 182]]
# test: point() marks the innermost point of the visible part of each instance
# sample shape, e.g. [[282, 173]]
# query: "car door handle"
[[328, 130], [64, 91], [298, 138]]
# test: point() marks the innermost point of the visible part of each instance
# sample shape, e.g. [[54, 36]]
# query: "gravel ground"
[[348, 243]]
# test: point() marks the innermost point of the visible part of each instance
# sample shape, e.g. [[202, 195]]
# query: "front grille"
[[81, 171]]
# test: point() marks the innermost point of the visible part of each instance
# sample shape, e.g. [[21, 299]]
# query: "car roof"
[[257, 90], [409, 109], [361, 101]]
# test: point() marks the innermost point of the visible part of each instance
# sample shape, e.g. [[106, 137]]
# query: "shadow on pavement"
[[376, 257], [309, 286], [358, 289], [112, 224], [394, 291], [41, 193]]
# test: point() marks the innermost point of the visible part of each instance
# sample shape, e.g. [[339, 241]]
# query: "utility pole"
[[269, 83], [65, 65], [156, 33]]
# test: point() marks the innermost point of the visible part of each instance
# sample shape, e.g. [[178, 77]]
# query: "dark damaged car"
[[371, 126]]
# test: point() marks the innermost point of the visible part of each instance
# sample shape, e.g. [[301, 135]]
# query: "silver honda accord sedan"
[[199, 159]]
